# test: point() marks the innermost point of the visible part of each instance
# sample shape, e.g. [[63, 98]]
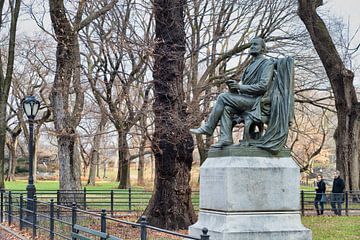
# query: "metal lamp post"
[[31, 107]]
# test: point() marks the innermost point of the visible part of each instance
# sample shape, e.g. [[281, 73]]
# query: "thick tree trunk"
[[124, 167], [341, 80], [69, 166], [66, 111], [170, 206]]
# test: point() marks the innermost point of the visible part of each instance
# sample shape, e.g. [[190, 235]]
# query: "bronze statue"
[[265, 96]]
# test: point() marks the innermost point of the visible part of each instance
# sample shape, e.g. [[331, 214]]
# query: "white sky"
[[349, 11]]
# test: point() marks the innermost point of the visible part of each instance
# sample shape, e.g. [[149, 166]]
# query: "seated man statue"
[[260, 98]]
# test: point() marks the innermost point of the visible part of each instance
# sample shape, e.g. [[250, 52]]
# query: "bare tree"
[[346, 102], [94, 158], [117, 61], [67, 97], [170, 205], [6, 71]]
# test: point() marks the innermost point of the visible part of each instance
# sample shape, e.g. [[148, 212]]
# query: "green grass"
[[54, 185], [307, 188], [333, 227]]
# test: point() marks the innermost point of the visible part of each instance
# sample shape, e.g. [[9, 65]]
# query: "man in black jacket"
[[320, 197], [337, 196]]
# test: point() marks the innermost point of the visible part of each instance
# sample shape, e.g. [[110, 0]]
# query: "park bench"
[[94, 233]]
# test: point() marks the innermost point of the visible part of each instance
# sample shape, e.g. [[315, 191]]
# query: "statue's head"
[[257, 46]]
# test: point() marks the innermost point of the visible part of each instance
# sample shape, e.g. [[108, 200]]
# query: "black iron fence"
[[348, 202], [53, 221], [118, 201], [113, 201]]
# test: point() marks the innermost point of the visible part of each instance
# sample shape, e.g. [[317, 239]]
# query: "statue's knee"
[[222, 96]]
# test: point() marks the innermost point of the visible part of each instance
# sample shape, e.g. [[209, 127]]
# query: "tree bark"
[[124, 168], [5, 79], [170, 206], [12, 146], [95, 151], [67, 107], [67, 74], [141, 164], [346, 102]]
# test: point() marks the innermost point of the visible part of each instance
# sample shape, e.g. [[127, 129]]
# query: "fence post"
[[103, 222], [84, 198], [129, 199], [204, 235], [52, 235], [58, 197], [347, 203], [2, 205], [143, 224], [21, 211], [112, 203], [302, 203], [34, 216], [58, 204], [10, 208], [73, 216]]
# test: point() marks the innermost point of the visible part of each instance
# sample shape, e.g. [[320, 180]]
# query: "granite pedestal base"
[[247, 193]]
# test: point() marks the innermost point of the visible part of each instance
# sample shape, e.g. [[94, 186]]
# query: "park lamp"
[[31, 106]]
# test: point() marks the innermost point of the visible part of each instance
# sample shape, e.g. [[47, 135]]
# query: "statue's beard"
[[254, 53]]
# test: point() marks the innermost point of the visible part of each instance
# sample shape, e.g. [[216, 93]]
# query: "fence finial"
[[205, 236]]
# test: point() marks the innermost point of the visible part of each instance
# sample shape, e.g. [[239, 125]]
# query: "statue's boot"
[[201, 130]]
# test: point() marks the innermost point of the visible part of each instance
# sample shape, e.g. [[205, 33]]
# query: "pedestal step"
[[251, 226]]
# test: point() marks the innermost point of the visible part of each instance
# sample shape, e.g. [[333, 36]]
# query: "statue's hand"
[[233, 85]]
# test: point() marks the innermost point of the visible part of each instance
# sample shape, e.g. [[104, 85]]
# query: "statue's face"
[[256, 47]]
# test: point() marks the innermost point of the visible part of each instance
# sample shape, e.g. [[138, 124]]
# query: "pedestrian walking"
[[320, 198], [337, 193]]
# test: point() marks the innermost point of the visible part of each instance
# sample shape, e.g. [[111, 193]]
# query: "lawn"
[[333, 228], [54, 185]]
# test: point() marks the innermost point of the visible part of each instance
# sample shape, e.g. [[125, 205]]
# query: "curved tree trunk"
[[170, 206], [346, 102]]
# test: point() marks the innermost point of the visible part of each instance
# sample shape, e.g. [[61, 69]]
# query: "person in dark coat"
[[320, 197], [337, 193]]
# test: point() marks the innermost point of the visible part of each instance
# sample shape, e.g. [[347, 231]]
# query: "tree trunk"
[[95, 151], [6, 78], [341, 80], [124, 168], [141, 164], [67, 115], [35, 159], [12, 159], [70, 165], [170, 206]]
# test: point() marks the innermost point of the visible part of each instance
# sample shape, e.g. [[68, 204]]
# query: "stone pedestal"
[[247, 193]]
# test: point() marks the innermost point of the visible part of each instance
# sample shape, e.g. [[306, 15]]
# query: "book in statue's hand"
[[230, 84]]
